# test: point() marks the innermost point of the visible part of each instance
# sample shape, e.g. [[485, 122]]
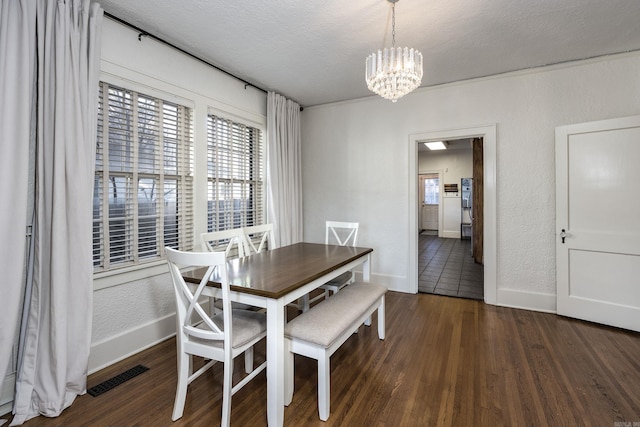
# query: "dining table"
[[274, 278]]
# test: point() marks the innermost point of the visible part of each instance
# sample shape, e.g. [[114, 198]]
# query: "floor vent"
[[117, 380]]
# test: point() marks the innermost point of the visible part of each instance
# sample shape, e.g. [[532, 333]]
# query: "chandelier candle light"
[[393, 73]]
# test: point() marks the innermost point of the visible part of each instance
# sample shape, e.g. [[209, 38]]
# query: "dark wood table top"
[[276, 272]]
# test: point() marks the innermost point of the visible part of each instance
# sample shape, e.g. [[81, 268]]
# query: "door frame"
[[488, 134]]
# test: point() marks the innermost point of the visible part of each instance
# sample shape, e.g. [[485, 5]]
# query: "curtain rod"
[[143, 33]]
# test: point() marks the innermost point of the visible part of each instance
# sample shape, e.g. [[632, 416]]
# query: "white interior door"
[[429, 201], [598, 207], [429, 217]]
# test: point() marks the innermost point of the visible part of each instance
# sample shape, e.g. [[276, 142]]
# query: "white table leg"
[[275, 362], [366, 269], [366, 276]]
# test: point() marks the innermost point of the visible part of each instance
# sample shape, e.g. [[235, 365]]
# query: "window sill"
[[106, 279]]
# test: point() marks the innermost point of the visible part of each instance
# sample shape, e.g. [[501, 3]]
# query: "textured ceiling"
[[314, 51]]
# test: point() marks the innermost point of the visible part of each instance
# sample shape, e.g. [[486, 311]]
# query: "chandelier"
[[393, 73]]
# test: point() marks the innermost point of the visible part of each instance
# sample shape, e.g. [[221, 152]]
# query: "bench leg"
[[324, 385], [288, 373], [381, 326]]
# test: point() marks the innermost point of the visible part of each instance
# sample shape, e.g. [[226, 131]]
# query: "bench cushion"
[[326, 321]]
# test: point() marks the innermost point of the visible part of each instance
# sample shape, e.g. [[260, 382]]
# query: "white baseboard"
[[6, 394], [128, 343], [391, 282], [535, 301], [450, 234]]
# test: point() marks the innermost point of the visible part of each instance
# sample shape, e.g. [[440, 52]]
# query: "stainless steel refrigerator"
[[466, 228]]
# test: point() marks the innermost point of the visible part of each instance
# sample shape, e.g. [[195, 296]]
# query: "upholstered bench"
[[319, 332]]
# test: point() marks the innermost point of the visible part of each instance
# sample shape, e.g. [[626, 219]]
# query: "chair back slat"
[[344, 233], [231, 242], [258, 238]]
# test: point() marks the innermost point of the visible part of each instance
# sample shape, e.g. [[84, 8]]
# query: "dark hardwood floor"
[[445, 362]]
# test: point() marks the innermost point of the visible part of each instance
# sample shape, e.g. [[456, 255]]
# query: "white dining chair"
[[337, 233], [220, 337], [258, 238], [343, 234], [233, 243]]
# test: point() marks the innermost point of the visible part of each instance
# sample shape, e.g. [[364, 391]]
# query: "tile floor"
[[445, 267]]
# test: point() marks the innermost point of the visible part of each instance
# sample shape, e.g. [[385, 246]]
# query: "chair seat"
[[235, 305], [339, 281], [333, 285], [247, 325]]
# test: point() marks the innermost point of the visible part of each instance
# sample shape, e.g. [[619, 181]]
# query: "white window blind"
[[143, 189], [235, 175]]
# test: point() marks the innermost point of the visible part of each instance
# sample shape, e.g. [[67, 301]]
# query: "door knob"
[[563, 234]]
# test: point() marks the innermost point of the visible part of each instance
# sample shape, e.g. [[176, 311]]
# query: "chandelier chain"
[[393, 26]]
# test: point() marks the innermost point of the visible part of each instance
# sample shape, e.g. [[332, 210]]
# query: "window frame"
[[261, 164], [134, 272]]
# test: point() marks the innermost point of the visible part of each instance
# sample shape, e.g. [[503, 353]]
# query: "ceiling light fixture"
[[393, 73], [436, 145]]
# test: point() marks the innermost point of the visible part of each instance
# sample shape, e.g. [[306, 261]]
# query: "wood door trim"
[[478, 201]]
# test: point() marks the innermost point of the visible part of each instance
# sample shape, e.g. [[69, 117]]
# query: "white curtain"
[[284, 173], [17, 72], [54, 350]]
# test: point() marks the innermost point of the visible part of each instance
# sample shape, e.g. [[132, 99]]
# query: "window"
[[235, 175], [143, 188], [432, 190]]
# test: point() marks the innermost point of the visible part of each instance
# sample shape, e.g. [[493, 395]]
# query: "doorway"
[[446, 258], [446, 267], [488, 134]]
